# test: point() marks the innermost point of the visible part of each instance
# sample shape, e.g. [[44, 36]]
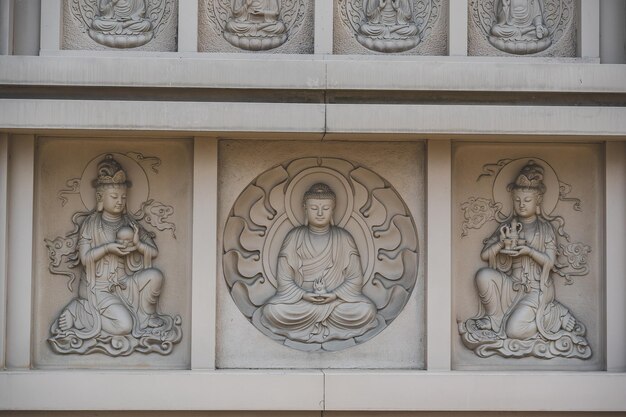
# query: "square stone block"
[[100, 313], [542, 28], [286, 27], [423, 29], [137, 25], [528, 257], [262, 185]]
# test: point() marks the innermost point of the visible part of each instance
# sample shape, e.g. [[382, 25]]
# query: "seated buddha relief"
[[255, 25], [388, 26], [314, 265], [121, 24], [520, 27]]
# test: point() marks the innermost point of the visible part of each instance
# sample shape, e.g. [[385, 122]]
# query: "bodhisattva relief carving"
[[320, 254], [256, 25], [389, 25], [111, 253], [518, 313], [522, 27], [122, 23]]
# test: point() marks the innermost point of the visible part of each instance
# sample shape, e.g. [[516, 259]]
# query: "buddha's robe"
[[388, 21], [258, 18], [518, 19], [517, 294], [123, 17], [338, 265], [122, 309]]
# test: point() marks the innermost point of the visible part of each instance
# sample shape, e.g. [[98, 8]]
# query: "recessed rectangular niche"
[[407, 27], [268, 26], [528, 257], [124, 25], [535, 28], [321, 261], [112, 253]]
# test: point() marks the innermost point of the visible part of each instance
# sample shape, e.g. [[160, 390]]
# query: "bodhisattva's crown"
[[110, 172], [320, 191], [529, 177]]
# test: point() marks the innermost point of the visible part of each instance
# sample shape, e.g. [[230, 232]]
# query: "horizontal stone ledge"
[[475, 391], [324, 72], [311, 390], [475, 120], [161, 116], [161, 390], [310, 121], [310, 96]]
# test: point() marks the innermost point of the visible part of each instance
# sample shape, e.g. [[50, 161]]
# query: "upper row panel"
[[411, 27]]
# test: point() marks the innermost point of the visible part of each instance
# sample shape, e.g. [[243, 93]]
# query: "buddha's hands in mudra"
[[319, 298], [521, 250], [120, 249]]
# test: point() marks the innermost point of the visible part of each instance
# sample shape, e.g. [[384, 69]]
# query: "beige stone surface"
[[61, 159], [75, 37], [211, 38], [401, 344], [579, 165]]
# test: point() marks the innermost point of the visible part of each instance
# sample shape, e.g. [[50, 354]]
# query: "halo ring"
[[508, 174], [134, 172]]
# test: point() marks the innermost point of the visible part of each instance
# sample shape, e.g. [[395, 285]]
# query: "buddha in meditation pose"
[[388, 26], [255, 25], [516, 290], [121, 24], [119, 289], [520, 27], [319, 279]]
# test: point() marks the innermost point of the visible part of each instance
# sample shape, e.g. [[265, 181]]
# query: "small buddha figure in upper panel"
[[388, 26], [255, 25], [522, 27], [122, 24]]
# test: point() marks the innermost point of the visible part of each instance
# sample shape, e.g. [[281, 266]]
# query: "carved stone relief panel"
[[113, 263], [528, 284], [142, 25], [415, 27], [320, 253], [272, 26], [522, 27]]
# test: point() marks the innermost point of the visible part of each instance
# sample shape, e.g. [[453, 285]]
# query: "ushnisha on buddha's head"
[[527, 191], [319, 206], [111, 186]]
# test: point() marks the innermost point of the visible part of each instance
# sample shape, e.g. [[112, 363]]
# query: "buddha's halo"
[[509, 173]]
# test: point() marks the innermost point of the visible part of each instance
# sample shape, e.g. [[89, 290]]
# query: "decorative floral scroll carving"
[[73, 187], [256, 25], [339, 269], [522, 27], [478, 211], [389, 25], [115, 311], [519, 314], [153, 161], [155, 214], [122, 23]]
